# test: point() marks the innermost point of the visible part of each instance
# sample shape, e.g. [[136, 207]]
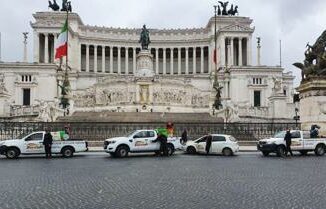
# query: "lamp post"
[[296, 117]]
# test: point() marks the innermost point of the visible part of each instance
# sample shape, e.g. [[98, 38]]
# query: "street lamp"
[[296, 117]]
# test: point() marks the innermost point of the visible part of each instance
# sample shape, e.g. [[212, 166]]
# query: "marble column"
[[179, 61], [55, 40], [157, 61], [232, 52], [87, 58], [187, 60], [229, 61], [134, 60], [111, 59], [36, 47], [194, 60], [210, 58], [103, 59], [240, 51], [171, 61], [258, 54], [119, 60], [46, 48], [95, 58], [164, 61], [222, 52], [249, 51], [79, 58], [202, 59], [126, 60]]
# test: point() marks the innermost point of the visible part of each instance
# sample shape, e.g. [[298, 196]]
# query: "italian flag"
[[61, 47]]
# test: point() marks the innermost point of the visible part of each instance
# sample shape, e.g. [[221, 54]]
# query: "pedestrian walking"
[[287, 139], [208, 144], [184, 137], [47, 142]]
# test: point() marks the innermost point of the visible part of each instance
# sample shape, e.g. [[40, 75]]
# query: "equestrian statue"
[[314, 64]]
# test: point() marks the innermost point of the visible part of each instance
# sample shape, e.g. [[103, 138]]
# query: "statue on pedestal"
[[66, 6], [54, 6], [144, 38], [314, 64]]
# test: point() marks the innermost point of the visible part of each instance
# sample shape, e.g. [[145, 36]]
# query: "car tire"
[[280, 151], [265, 153], [227, 152], [320, 150], [67, 152], [191, 150], [122, 151], [303, 152], [170, 149], [12, 153]]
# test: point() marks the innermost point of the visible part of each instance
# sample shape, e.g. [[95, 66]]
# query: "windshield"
[[280, 134], [130, 134]]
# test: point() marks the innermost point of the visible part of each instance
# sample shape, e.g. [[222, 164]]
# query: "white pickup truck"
[[138, 141], [33, 144], [301, 142]]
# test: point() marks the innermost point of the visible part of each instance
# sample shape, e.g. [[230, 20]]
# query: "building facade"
[[104, 72]]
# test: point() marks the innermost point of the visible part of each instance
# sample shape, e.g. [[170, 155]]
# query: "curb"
[[242, 150]]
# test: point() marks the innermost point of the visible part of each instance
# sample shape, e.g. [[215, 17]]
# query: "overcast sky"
[[295, 22]]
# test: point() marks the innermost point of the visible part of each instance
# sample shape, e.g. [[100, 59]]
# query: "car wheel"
[[122, 151], [170, 149], [265, 153], [227, 152], [303, 153], [280, 151], [320, 150], [12, 153], [191, 150], [67, 152]]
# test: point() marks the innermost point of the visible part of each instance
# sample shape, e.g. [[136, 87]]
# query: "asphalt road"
[[95, 180]]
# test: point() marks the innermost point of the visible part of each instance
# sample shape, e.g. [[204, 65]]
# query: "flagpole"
[[66, 80], [67, 37], [215, 39]]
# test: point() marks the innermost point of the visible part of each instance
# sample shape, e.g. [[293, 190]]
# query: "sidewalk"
[[242, 149]]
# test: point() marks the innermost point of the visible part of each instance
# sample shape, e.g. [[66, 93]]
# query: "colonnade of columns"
[[122, 60], [237, 51], [44, 45], [173, 60]]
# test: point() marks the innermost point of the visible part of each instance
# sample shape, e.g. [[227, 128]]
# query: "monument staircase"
[[140, 117]]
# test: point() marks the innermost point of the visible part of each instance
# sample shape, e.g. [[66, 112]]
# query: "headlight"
[[112, 142]]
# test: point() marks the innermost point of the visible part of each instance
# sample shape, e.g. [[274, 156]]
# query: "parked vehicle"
[[221, 144], [33, 144], [301, 142], [139, 141]]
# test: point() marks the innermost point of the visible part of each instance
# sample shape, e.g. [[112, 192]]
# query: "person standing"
[[47, 142], [163, 144], [287, 139], [208, 144], [184, 137]]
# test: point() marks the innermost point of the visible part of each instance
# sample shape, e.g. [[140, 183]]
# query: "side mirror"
[[135, 137]]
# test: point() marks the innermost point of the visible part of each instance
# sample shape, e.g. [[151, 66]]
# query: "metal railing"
[[100, 131]]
